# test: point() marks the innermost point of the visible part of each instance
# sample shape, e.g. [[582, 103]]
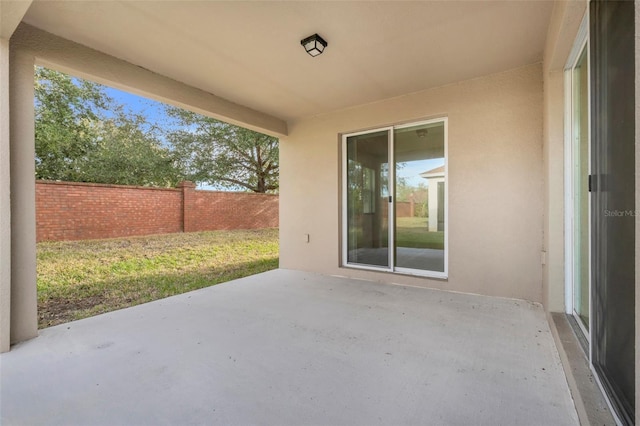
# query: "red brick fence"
[[82, 211]]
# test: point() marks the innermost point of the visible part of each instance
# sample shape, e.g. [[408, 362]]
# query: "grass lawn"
[[413, 232], [79, 279]]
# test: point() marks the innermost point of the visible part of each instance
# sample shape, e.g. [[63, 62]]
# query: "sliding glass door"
[[394, 217], [367, 194], [613, 146], [420, 197]]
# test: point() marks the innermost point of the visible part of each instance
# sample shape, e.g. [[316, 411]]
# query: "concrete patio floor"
[[292, 348]]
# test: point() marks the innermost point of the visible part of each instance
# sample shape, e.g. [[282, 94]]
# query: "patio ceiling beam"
[[11, 13], [67, 56]]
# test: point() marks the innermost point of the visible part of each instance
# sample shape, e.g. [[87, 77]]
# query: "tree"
[[217, 153], [82, 135], [66, 112], [125, 154], [418, 193]]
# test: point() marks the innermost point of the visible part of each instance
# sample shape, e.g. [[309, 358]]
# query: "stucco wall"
[[5, 209], [495, 183], [24, 297], [553, 169]]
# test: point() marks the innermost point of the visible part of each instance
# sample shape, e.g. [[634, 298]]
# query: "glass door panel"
[[367, 199], [613, 202], [419, 157], [580, 133]]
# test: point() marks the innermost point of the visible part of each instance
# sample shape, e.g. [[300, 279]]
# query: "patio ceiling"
[[250, 53]]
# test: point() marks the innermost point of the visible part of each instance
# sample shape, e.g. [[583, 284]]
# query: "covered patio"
[[291, 347], [522, 133]]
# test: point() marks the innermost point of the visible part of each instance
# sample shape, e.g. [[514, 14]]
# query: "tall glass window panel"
[[580, 133], [367, 199], [420, 215], [613, 202]]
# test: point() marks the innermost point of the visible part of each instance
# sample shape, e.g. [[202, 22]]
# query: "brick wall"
[[231, 210], [80, 211], [403, 208]]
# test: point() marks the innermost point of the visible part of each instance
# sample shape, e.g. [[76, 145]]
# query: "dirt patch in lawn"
[[56, 311]]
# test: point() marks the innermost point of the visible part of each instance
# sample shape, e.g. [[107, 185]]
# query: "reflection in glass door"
[[394, 218], [367, 195], [580, 190], [613, 206], [420, 197]]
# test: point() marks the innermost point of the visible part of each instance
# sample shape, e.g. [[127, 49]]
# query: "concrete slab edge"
[[588, 400]]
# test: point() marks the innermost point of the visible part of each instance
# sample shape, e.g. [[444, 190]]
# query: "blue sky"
[[412, 169], [154, 112]]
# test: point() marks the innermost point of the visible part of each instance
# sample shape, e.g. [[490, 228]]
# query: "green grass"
[[413, 232], [410, 232], [79, 279]]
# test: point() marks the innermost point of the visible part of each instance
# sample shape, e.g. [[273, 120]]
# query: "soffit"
[[250, 53], [11, 13]]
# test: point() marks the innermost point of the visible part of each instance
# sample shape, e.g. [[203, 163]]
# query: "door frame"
[[581, 44], [391, 209], [345, 204]]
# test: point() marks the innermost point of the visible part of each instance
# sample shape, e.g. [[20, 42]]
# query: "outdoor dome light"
[[314, 45]]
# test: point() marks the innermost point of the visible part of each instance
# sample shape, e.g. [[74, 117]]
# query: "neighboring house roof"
[[437, 172]]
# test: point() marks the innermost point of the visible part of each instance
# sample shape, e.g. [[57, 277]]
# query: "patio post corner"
[[24, 304], [5, 200]]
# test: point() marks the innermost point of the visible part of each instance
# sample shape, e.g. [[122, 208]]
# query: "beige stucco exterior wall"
[[11, 13], [553, 165], [5, 209], [553, 157], [24, 317], [495, 183]]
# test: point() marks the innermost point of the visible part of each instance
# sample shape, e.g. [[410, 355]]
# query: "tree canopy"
[[83, 135], [66, 113], [126, 152], [217, 153]]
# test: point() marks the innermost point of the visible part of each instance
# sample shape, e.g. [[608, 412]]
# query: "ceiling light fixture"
[[314, 45], [422, 133]]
